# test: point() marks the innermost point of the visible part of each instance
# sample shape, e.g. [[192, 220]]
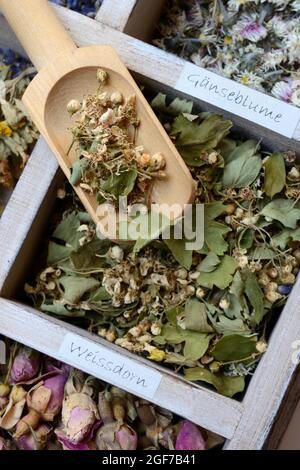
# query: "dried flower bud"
[[30, 421], [79, 414], [189, 437], [6, 444], [146, 414], [4, 390], [102, 76], [158, 161], [17, 394], [25, 366], [107, 118], [261, 346], [73, 106], [116, 97], [105, 409], [224, 304], [126, 437], [47, 398], [200, 293], [118, 408], [36, 440], [116, 253]]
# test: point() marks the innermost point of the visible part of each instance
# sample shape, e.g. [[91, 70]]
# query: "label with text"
[[238, 99], [110, 366]]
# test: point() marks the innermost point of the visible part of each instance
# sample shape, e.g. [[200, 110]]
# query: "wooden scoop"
[[67, 72]]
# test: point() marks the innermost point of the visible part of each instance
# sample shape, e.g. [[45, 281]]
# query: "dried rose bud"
[[5, 444], [26, 366], [36, 440], [189, 437], [126, 437], [47, 398], [105, 409], [79, 414], [28, 422]]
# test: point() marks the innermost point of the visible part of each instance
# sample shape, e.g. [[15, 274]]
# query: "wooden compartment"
[[245, 424]]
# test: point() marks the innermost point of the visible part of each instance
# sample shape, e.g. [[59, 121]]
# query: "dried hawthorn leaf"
[[254, 294], [195, 316], [60, 310], [225, 326], [180, 253], [120, 184], [228, 386], [220, 277], [209, 263], [245, 150], [67, 230], [284, 211], [242, 172], [75, 287], [176, 107], [275, 175], [77, 171], [282, 239], [234, 348], [196, 345], [57, 253]]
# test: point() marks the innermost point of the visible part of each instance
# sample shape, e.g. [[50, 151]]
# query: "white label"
[[110, 366], [238, 99]]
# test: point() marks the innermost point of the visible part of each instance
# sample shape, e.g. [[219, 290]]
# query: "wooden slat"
[[116, 13], [202, 406], [18, 224]]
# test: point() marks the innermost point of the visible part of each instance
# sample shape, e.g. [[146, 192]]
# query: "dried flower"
[[25, 366], [189, 437], [79, 414]]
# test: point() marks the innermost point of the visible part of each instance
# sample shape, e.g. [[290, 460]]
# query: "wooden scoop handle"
[[38, 29]]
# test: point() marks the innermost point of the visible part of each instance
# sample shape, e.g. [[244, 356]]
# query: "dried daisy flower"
[[261, 38]]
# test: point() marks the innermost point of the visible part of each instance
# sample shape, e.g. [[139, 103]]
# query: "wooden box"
[[245, 424]]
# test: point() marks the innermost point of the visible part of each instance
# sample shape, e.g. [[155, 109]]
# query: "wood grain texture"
[[116, 13], [284, 419], [202, 406]]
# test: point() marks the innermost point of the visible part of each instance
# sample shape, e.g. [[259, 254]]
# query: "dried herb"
[[203, 312], [109, 164], [254, 43]]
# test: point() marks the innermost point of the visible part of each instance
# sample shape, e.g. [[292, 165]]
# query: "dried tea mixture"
[[17, 133], [205, 313], [109, 163], [256, 43], [46, 405]]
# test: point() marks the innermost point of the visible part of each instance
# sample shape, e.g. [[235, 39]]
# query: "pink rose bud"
[[47, 398], [79, 415], [36, 441], [25, 366], [127, 438], [189, 437], [5, 445]]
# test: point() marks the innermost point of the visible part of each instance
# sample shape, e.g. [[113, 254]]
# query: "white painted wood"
[[46, 334], [115, 13], [19, 216]]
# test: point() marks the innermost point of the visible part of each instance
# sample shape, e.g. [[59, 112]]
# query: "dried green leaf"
[[76, 286], [180, 253], [282, 239], [121, 184], [242, 172], [284, 211], [228, 386], [209, 263], [234, 348], [195, 316], [246, 150], [77, 171], [275, 175], [220, 277], [254, 294]]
